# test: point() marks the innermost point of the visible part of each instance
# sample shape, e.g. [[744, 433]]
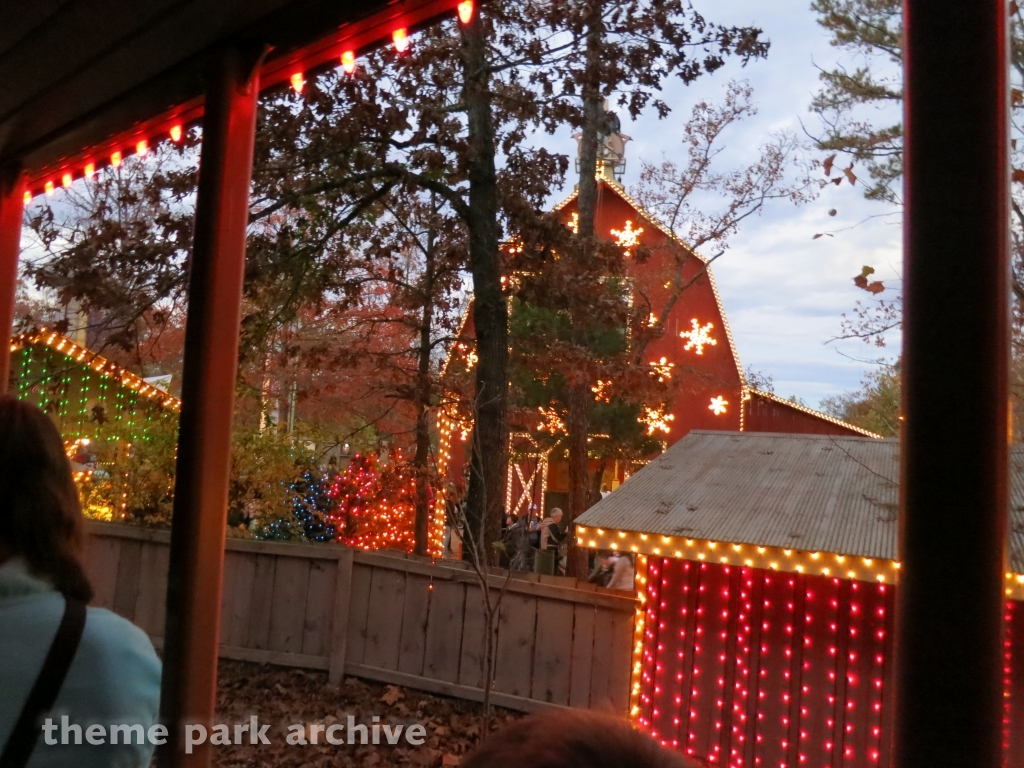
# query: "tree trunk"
[[595, 487], [579, 401], [586, 203], [421, 527], [490, 313]]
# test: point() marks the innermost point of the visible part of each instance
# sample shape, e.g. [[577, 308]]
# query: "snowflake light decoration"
[[574, 223], [662, 369], [628, 238], [552, 421], [601, 391], [699, 337], [657, 420], [718, 405], [469, 355]]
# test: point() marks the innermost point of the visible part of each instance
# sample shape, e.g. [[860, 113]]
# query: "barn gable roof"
[[814, 503], [619, 190]]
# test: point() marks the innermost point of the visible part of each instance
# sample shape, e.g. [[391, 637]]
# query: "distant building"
[[767, 565], [86, 395]]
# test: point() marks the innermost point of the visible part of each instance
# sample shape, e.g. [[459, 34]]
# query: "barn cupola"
[[611, 147]]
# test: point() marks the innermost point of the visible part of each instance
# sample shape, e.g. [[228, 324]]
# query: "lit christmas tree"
[[374, 504], [311, 504]]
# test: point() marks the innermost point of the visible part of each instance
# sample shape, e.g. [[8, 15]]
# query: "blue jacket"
[[114, 677]]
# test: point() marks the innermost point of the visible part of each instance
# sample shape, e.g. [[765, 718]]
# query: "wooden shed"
[[767, 569]]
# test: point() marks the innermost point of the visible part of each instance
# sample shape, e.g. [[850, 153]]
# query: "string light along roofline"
[[97, 363], [338, 50], [749, 392], [841, 565]]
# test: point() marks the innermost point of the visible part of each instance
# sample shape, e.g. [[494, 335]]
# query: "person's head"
[[40, 515], [572, 739], [556, 514], [604, 487]]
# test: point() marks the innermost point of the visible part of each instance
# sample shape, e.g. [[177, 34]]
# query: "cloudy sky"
[[784, 292]]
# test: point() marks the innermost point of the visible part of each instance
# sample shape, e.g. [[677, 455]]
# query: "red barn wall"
[[763, 415], [748, 667], [699, 378]]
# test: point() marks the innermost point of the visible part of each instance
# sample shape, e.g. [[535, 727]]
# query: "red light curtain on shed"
[[747, 667]]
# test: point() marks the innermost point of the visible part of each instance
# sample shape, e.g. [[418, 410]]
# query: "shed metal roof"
[[816, 493]]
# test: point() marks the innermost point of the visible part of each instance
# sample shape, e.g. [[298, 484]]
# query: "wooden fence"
[[388, 617]]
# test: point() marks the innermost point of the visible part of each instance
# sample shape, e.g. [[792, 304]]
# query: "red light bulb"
[[400, 37]]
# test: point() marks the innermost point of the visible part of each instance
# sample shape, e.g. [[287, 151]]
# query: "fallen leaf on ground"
[[394, 693]]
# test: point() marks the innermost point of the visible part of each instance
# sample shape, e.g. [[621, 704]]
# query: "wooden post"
[[954, 464], [208, 388], [12, 208], [339, 624]]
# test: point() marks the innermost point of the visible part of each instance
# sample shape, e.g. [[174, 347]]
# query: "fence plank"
[[237, 599], [376, 613], [103, 556], [340, 618], [601, 661], [471, 665], [552, 654], [358, 609], [260, 604], [126, 591], [151, 603], [316, 633], [620, 634], [582, 655], [291, 582], [444, 631], [414, 624], [384, 618], [516, 633]]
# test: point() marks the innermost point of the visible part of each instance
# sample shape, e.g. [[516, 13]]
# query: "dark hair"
[[40, 514], [572, 739]]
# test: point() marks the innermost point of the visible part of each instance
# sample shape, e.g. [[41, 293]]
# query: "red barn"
[[767, 568], [712, 392]]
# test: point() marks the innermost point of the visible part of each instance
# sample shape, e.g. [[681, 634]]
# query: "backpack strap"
[[43, 695]]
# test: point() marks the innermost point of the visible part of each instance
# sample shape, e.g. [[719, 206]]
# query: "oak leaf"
[[393, 694], [861, 281], [1018, 175], [850, 175], [827, 164]]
